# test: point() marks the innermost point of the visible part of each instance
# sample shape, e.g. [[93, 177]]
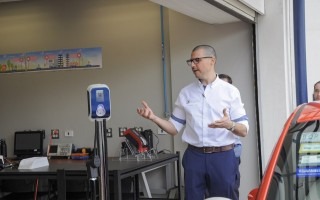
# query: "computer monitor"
[[28, 143]]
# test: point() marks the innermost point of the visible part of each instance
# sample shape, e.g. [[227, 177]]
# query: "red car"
[[293, 172]]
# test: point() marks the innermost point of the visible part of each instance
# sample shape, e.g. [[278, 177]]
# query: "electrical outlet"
[[161, 132], [109, 132], [121, 131], [139, 129], [55, 134], [68, 133]]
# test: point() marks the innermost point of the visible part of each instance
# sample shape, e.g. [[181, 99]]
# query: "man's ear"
[[214, 60]]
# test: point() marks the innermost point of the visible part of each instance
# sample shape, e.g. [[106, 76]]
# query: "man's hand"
[[146, 111], [224, 122]]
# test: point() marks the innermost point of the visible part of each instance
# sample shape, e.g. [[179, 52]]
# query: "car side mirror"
[[253, 194]]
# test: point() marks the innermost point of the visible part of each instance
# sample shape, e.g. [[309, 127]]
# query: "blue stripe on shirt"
[[181, 121], [243, 118]]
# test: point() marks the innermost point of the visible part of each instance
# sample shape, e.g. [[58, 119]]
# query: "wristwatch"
[[232, 127]]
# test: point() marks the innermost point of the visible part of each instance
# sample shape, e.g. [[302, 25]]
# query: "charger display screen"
[[53, 149], [99, 96]]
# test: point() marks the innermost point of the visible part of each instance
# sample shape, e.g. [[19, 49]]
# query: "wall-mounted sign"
[[52, 60]]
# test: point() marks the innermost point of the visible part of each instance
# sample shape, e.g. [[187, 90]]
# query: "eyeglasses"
[[196, 60]]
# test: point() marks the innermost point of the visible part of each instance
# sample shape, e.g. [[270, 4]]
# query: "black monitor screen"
[[28, 143], [53, 149]]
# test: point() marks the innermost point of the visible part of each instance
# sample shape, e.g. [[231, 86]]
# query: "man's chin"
[[196, 73]]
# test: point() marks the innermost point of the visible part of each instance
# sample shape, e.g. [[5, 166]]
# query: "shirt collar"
[[216, 81]]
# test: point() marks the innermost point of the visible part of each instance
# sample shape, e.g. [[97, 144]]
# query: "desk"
[[76, 169]]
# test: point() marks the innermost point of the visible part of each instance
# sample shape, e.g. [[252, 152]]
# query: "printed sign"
[[51, 60]]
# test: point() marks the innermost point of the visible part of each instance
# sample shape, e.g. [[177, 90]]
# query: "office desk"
[[76, 169]]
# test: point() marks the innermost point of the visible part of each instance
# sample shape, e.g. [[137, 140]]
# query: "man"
[[226, 78], [316, 91], [212, 114]]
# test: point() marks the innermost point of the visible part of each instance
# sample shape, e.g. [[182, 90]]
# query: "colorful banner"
[[52, 60]]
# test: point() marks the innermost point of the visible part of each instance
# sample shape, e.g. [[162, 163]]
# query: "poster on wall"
[[82, 58]]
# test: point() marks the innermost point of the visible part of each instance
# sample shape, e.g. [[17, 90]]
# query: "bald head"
[[209, 50]]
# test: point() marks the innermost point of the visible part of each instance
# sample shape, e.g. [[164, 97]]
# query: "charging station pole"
[[99, 111], [103, 154]]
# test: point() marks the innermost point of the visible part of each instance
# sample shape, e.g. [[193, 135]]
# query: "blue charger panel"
[[99, 105]]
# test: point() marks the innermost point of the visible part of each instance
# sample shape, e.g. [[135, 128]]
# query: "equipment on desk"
[[136, 141], [3, 148], [148, 134], [99, 102], [81, 153], [1, 162], [80, 156], [33, 163], [60, 150], [28, 143]]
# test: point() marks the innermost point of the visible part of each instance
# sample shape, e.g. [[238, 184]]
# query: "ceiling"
[[198, 9]]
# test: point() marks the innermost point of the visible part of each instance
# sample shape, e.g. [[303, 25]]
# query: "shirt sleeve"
[[178, 116], [237, 112]]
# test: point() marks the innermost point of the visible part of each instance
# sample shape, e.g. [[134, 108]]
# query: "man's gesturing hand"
[[224, 122], [146, 111]]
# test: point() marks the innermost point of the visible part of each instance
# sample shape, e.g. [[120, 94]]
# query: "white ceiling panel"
[[257, 5], [198, 9]]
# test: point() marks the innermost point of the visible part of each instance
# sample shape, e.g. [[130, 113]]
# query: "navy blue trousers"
[[214, 173]]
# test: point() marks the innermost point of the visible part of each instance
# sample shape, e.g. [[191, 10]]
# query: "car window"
[[297, 174]]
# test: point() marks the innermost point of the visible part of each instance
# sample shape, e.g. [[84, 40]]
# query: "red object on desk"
[[136, 139], [79, 156]]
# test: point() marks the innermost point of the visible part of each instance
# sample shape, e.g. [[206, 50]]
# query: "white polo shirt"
[[196, 107]]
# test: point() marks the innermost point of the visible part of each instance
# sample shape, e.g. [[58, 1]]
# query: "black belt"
[[211, 149]]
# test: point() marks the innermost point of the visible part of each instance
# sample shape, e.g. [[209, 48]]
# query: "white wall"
[[276, 81], [312, 21]]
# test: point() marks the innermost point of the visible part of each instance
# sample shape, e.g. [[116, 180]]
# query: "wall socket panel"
[[109, 132], [139, 129], [121, 131], [68, 133], [161, 132], [55, 134]]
